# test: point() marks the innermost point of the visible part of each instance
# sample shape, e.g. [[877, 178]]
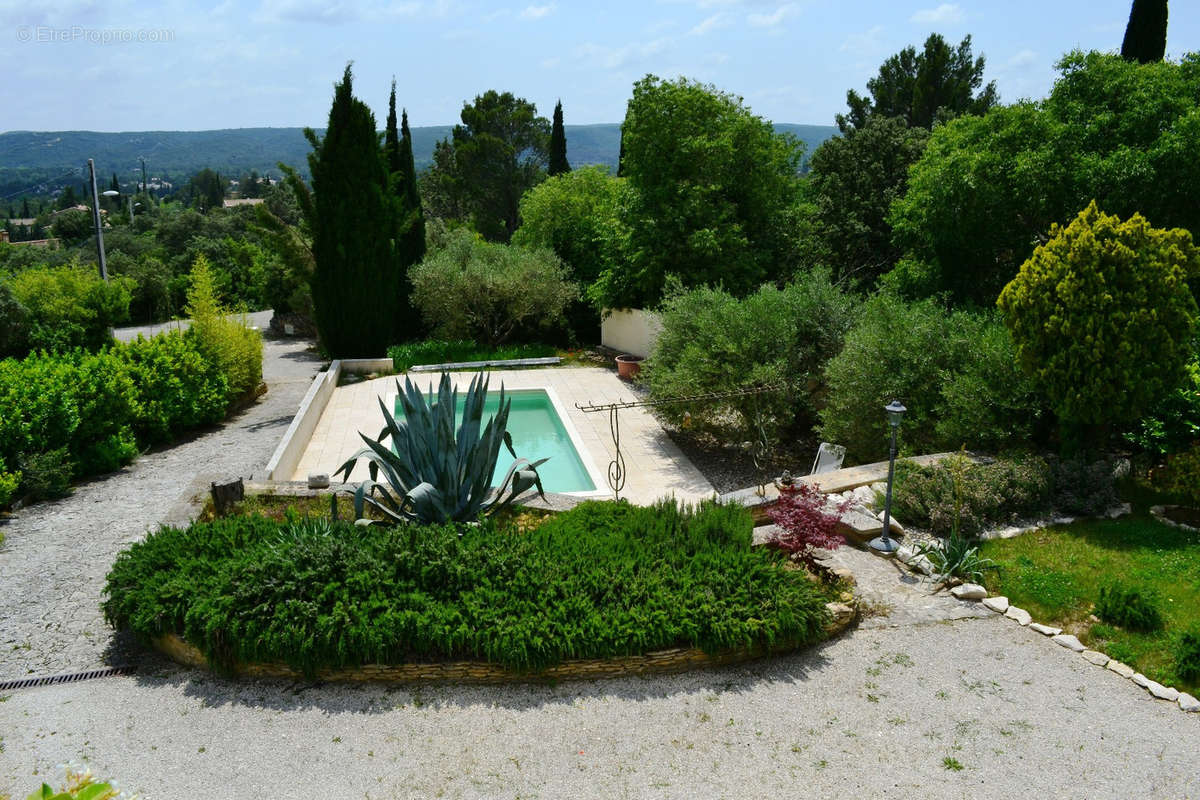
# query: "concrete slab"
[[654, 466]]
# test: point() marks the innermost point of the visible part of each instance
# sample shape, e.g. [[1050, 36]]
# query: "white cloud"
[[550, 63], [715, 22], [772, 19], [863, 43], [1021, 60], [537, 12], [617, 57], [946, 13]]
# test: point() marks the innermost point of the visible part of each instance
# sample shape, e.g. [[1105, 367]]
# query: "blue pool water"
[[537, 432]]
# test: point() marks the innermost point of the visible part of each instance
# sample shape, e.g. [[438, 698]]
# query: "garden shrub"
[[938, 499], [1083, 487], [46, 475], [70, 306], [472, 289], [951, 369], [602, 580], [1181, 476], [1172, 424], [223, 338], [1187, 655], [177, 386], [14, 325], [713, 342], [1103, 318], [9, 481], [438, 351], [1130, 608]]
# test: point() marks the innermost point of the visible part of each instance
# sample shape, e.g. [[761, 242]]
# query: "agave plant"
[[432, 473]]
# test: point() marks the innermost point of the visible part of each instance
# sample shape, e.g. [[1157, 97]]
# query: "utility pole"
[[96, 221]]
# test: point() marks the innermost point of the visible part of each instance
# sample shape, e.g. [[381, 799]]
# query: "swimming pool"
[[538, 431]]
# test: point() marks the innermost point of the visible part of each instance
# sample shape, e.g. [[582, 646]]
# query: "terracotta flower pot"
[[629, 366]]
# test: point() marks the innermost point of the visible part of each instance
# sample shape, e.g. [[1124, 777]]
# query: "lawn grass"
[[1056, 574]]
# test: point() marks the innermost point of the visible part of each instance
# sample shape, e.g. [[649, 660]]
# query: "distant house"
[[242, 201], [51, 243]]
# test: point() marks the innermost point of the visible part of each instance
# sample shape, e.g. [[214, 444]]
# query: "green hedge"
[[76, 413], [438, 351], [605, 579]]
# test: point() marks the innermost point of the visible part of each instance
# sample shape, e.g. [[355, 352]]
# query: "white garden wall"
[[630, 330]]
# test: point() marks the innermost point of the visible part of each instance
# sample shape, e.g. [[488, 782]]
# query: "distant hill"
[[34, 156]]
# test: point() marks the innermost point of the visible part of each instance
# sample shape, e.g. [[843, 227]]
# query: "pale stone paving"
[[56, 554]]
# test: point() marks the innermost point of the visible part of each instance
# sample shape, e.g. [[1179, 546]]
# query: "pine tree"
[[558, 144], [414, 237], [1146, 34], [359, 292], [115, 184], [25, 212]]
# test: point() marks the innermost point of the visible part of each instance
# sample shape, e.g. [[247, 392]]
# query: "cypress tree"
[[558, 144], [359, 295], [413, 242], [391, 139], [1146, 34]]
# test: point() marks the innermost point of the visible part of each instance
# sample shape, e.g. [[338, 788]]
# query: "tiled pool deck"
[[654, 466]]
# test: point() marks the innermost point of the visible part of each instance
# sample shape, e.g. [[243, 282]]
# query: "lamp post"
[[885, 545], [96, 221]]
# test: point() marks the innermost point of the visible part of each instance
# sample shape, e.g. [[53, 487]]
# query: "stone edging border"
[[1159, 513], [1000, 605], [660, 662]]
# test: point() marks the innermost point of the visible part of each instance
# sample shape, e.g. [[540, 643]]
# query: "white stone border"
[[287, 455], [1000, 605], [1159, 513]]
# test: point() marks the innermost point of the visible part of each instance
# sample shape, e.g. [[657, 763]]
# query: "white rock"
[[969, 591], [1045, 630], [1019, 614], [318, 480], [1188, 703], [1010, 533], [1070, 642], [1096, 657], [905, 553], [864, 496], [1124, 670], [1163, 692], [998, 604], [1141, 680], [1124, 509], [879, 487], [1063, 520]]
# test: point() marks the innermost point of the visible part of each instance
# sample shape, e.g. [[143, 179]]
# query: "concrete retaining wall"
[[287, 455], [630, 330]]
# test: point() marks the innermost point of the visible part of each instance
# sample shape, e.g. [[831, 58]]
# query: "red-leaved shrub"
[[805, 523]]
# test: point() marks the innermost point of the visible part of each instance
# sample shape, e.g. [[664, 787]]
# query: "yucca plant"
[[432, 473]]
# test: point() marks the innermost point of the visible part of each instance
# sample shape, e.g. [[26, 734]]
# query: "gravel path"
[[56, 554], [888, 713]]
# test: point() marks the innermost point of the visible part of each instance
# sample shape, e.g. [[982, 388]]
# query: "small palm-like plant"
[[432, 473]]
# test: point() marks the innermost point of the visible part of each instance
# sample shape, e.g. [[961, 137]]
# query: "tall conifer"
[[558, 144], [1146, 34], [414, 217], [359, 295]]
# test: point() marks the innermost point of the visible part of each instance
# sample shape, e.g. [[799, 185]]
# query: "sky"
[[120, 65]]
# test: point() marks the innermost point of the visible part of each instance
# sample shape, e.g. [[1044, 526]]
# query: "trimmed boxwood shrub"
[[603, 580]]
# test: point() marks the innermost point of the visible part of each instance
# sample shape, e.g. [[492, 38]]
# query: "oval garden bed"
[[604, 589]]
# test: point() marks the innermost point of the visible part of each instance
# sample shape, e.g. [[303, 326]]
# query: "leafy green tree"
[[923, 87], [1102, 316], [1146, 33], [66, 200], [476, 289], [558, 143], [496, 154], [205, 190], [358, 284], [713, 187], [854, 180], [577, 215], [987, 190], [73, 226]]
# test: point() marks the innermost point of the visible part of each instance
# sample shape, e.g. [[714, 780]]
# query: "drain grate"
[[49, 680]]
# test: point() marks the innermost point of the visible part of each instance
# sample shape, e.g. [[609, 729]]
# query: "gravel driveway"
[[931, 702]]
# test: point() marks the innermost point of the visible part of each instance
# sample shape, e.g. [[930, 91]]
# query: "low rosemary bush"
[[603, 580], [1129, 607]]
